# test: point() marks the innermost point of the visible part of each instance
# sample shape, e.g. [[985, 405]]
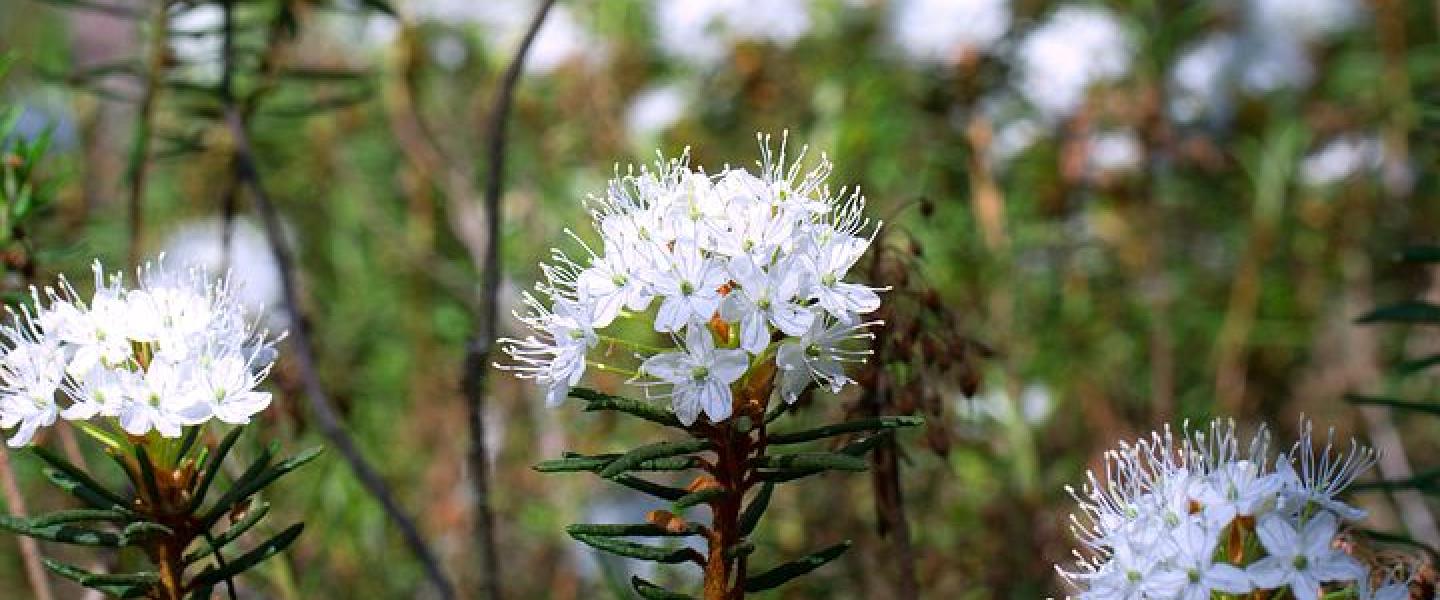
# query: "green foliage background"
[[1207, 282]]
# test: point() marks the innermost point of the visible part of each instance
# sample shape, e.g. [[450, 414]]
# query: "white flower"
[[702, 31], [941, 31], [700, 376], [1237, 489], [228, 385], [1303, 559], [30, 377], [827, 265], [1324, 474], [655, 109], [153, 358], [760, 299], [1134, 574], [819, 356], [245, 259], [614, 281], [690, 287], [1074, 48], [1172, 514], [762, 256], [556, 358], [1195, 558]]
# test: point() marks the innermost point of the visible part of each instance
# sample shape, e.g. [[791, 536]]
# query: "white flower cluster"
[[745, 268], [1200, 517], [175, 351]]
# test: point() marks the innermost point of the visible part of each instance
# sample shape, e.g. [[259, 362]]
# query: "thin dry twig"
[[477, 350], [29, 548], [144, 122], [325, 415]]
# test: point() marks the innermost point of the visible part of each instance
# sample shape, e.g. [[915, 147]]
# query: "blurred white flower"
[[1274, 61], [654, 110], [1113, 152], [561, 39], [1201, 82], [247, 259], [703, 31], [197, 40], [942, 31], [1341, 159], [1306, 19], [1076, 47]]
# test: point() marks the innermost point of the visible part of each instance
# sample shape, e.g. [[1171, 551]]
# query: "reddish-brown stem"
[[733, 472]]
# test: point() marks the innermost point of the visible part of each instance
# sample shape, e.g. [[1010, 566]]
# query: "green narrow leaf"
[[147, 472], [664, 492], [62, 532], [80, 477], [139, 531], [81, 515], [204, 592], [650, 591], [133, 585], [252, 516], [575, 462], [872, 424], [212, 467], [637, 551], [1411, 367], [750, 517], [628, 530], [379, 5], [262, 481], [254, 557], [784, 573], [744, 548], [1413, 311], [827, 461], [1424, 407], [698, 498], [187, 442], [657, 450], [83, 492], [862, 447], [238, 490], [1421, 254], [596, 401]]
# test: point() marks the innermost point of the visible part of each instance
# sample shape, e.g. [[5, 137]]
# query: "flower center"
[[1301, 562], [686, 288], [1133, 575], [828, 279], [813, 351], [763, 304], [699, 373], [619, 279]]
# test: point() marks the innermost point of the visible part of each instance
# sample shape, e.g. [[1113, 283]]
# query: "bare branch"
[[477, 350], [29, 548], [325, 416]]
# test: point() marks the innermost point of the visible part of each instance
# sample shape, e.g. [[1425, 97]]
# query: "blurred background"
[[1100, 217]]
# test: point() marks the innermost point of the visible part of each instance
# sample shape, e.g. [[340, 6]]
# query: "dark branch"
[[477, 351], [325, 416]]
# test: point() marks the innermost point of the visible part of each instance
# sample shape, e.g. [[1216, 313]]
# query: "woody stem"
[[724, 574]]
